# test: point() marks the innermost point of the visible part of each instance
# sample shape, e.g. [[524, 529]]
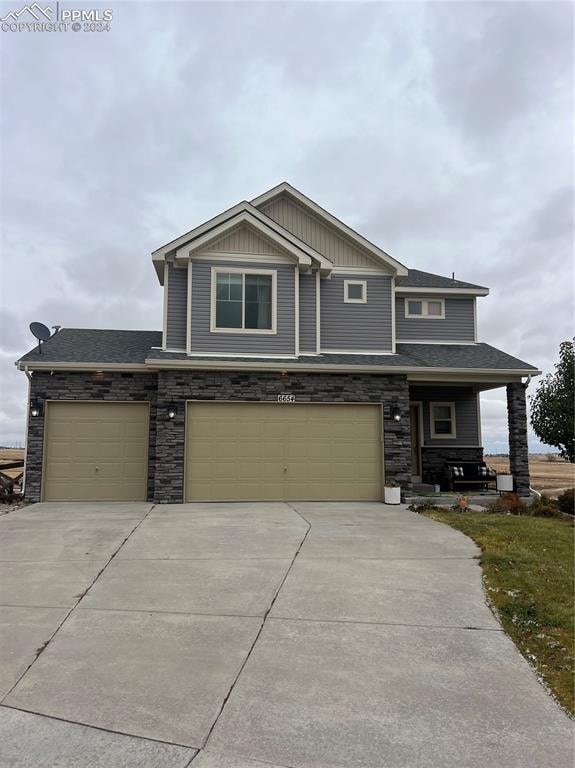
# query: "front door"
[[414, 413]]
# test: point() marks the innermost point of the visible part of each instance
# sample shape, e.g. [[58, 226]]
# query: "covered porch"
[[445, 429]]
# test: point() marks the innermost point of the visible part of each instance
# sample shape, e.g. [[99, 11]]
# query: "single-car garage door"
[[96, 451], [271, 451]]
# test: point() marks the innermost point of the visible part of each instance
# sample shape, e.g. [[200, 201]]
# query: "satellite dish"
[[40, 331]]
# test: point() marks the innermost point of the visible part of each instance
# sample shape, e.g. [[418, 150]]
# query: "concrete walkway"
[[250, 635]]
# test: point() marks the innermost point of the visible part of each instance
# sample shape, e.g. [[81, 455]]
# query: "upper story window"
[[429, 308], [442, 419], [355, 291], [243, 301]]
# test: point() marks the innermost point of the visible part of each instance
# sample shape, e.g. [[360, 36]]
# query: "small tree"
[[553, 405]]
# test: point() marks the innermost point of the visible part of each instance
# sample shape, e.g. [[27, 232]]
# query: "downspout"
[[29, 377]]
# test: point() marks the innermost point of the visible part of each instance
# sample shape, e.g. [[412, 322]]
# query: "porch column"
[[518, 449]]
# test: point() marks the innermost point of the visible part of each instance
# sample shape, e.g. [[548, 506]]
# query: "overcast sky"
[[442, 132]]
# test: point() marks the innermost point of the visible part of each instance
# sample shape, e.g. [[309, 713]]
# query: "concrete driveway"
[[254, 635]]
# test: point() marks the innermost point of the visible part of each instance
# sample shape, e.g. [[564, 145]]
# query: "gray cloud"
[[440, 131]]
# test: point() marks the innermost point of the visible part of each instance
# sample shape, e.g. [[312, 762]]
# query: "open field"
[[7, 454], [11, 454], [549, 477]]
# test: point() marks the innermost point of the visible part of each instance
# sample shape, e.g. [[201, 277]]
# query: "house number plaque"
[[286, 398]]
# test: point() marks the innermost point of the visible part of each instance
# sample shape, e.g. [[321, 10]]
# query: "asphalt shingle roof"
[[408, 356], [87, 345], [418, 279], [83, 345]]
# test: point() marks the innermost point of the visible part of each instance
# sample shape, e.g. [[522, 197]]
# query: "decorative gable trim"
[[243, 212], [243, 220]]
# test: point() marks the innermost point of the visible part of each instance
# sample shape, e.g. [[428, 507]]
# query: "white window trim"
[[424, 309], [347, 283], [432, 432], [243, 271]]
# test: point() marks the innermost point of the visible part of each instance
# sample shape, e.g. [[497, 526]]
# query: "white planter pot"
[[392, 495], [505, 483]]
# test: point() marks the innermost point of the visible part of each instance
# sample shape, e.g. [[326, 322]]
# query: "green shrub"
[[566, 501], [509, 503], [544, 507], [424, 506]]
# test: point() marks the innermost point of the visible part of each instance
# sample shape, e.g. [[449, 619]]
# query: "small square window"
[[355, 291]]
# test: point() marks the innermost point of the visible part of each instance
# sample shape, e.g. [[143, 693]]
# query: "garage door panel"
[[96, 451], [272, 451], [267, 471]]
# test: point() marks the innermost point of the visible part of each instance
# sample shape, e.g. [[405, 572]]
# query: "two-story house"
[[297, 360]]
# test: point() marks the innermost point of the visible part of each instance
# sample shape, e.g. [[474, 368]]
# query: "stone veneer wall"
[[175, 387], [433, 460], [518, 445], [62, 385], [166, 448]]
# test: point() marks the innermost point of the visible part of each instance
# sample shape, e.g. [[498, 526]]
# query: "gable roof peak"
[[285, 188]]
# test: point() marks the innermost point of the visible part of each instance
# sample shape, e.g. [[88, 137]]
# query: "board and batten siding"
[[177, 307], [307, 312], [357, 327], [203, 340], [317, 233], [466, 415], [458, 324]]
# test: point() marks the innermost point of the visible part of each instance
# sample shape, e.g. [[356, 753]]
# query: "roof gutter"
[[239, 365], [153, 364], [443, 291], [59, 366]]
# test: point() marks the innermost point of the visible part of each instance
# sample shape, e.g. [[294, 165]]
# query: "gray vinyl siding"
[[177, 307], [466, 415], [457, 325], [307, 312], [356, 326], [203, 340]]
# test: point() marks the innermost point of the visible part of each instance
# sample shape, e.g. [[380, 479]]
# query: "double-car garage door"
[[235, 451], [315, 451]]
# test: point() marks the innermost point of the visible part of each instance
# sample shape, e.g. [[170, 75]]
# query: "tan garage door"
[[96, 451], [266, 451]]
